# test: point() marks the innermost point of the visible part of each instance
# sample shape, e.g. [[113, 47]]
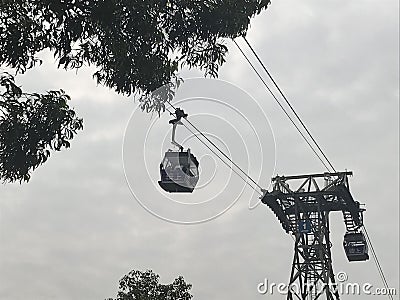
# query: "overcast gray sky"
[[78, 227]]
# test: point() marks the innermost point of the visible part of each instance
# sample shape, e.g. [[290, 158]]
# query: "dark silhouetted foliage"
[[136, 46], [30, 126], [139, 285]]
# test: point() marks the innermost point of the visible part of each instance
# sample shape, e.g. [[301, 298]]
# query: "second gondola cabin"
[[355, 246]]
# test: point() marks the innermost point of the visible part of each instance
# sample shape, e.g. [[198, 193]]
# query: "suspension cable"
[[377, 263], [363, 229], [227, 157], [288, 103], [215, 153], [281, 106], [229, 166]]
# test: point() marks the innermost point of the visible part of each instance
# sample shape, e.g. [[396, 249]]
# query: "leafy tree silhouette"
[[30, 126], [138, 285], [136, 47]]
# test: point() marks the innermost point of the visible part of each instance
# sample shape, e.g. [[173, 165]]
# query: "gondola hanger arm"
[[179, 114]]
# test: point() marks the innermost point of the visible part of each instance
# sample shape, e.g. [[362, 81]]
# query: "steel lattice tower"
[[304, 212]]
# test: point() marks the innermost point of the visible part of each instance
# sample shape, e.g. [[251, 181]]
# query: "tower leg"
[[312, 275]]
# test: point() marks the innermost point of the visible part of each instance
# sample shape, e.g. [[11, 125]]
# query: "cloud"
[[75, 229]]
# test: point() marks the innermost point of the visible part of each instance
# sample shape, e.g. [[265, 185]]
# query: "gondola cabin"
[[179, 172], [355, 246]]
